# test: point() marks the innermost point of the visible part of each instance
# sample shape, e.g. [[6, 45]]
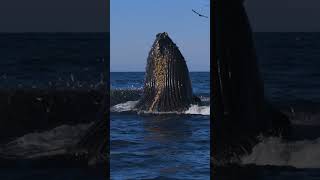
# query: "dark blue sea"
[[290, 64], [48, 61], [153, 146], [41, 60]]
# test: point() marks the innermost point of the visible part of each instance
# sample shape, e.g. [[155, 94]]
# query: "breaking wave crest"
[[195, 109], [45, 143], [278, 152], [129, 106], [123, 107]]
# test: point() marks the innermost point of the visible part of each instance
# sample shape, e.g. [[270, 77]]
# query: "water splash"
[[196, 109], [277, 152], [44, 143], [123, 107], [130, 106]]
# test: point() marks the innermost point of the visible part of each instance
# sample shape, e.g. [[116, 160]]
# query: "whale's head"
[[167, 84]]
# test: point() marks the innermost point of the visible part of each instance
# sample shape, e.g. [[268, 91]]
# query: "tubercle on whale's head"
[[164, 46], [162, 35]]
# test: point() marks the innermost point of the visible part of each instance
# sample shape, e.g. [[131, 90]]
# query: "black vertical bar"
[[107, 66], [216, 114]]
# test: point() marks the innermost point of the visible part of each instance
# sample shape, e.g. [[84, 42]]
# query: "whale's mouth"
[[167, 84]]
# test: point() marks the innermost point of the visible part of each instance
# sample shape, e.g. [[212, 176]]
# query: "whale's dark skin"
[[167, 88], [241, 111], [167, 84]]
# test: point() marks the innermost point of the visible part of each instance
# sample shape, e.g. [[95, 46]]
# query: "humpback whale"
[[167, 84], [241, 112], [167, 88]]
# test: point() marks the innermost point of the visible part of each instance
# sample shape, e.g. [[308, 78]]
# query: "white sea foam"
[[127, 106], [130, 106], [196, 109], [204, 98], [45, 143], [277, 152]]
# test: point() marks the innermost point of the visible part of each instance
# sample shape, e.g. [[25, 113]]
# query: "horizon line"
[[18, 32], [144, 71], [286, 31], [23, 32]]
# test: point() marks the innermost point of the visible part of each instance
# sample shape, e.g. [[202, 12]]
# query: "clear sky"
[[135, 23]]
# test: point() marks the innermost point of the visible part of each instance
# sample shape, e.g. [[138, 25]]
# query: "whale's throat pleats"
[[167, 84]]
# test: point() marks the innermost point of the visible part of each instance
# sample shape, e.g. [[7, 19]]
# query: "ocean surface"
[[49, 61], [44, 60], [153, 146], [290, 64]]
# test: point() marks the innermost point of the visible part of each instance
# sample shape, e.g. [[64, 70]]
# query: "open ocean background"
[[48, 61], [43, 60]]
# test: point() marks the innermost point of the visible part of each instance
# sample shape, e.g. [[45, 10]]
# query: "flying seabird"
[[199, 14]]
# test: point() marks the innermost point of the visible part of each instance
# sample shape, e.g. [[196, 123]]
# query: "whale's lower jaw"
[[170, 93], [167, 84], [167, 88], [158, 104]]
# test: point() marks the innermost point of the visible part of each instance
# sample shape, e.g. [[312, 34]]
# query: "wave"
[[276, 151], [123, 107], [304, 117], [204, 98], [196, 109], [130, 106], [47, 143], [302, 152]]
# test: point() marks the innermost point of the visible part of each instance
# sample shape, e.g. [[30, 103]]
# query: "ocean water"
[[153, 146], [41, 60], [48, 61], [290, 64]]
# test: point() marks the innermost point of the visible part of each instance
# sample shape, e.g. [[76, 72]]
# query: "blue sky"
[[135, 23]]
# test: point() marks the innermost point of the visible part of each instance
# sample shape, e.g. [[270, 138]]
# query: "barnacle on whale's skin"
[[167, 84]]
